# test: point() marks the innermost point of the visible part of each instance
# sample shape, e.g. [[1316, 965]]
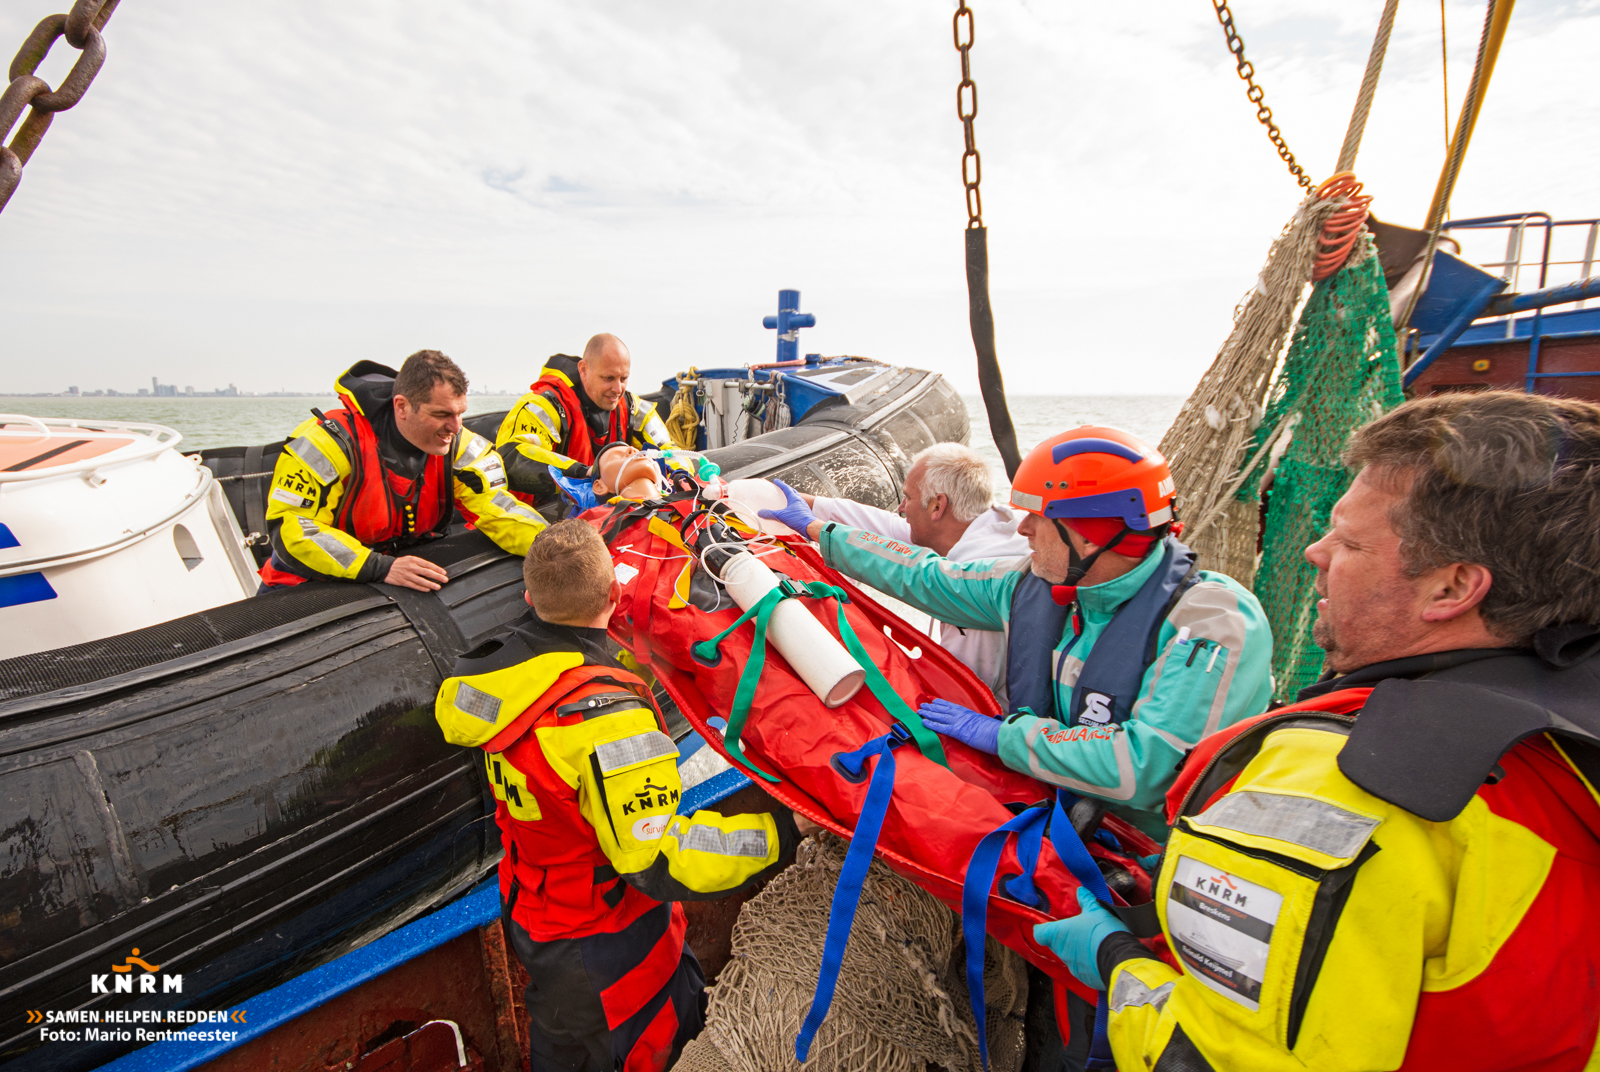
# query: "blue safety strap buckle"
[[852, 766]]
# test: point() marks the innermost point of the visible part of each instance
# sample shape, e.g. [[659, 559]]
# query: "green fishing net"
[[1341, 372]]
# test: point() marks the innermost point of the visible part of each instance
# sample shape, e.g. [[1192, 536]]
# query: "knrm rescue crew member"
[[586, 786], [360, 485], [1121, 655], [575, 407], [1400, 870], [948, 508]]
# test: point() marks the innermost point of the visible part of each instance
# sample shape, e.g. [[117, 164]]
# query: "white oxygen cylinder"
[[816, 654]]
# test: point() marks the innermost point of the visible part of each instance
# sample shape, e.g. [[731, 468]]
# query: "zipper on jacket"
[[1276, 859], [1326, 909]]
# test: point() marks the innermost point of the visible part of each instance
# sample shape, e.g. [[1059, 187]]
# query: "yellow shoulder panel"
[[567, 748], [534, 414], [472, 710], [319, 452], [1500, 867], [511, 785]]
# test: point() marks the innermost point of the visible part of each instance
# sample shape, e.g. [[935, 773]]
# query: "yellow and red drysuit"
[[586, 787], [555, 423], [338, 510], [1411, 889]]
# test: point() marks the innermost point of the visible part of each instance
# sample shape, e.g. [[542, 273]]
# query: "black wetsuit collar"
[[598, 420], [372, 386], [1411, 666], [1435, 726], [541, 637], [529, 636], [397, 452]]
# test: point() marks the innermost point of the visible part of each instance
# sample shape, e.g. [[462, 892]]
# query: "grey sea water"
[[1038, 417], [218, 422]]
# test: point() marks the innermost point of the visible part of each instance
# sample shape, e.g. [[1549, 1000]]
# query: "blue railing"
[[1484, 297]]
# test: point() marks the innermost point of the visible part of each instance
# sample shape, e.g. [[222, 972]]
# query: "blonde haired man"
[[586, 786]]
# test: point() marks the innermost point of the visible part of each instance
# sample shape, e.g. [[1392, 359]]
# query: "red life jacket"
[[380, 508], [379, 505], [938, 814], [581, 443], [564, 885]]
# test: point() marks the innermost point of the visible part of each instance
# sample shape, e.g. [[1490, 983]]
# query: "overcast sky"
[[265, 193]]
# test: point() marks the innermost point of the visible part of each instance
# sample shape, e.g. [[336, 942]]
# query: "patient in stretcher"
[[624, 472]]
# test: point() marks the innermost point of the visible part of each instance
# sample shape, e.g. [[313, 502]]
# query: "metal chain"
[[81, 27], [967, 111], [1247, 72]]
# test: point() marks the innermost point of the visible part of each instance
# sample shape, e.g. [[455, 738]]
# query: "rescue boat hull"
[[248, 792]]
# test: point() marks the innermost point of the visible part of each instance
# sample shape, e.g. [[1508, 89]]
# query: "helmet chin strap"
[[1078, 566]]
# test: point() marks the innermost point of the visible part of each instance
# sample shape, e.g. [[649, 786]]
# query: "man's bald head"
[[604, 370]]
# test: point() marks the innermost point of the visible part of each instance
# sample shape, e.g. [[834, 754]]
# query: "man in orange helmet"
[[1121, 653]]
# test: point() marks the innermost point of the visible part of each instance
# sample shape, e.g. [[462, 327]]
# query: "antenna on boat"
[[788, 323], [980, 313]]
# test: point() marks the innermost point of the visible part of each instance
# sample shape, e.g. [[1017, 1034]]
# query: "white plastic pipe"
[[816, 654]]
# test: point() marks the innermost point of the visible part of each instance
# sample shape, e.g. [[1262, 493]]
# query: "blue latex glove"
[[1077, 940], [1151, 864], [980, 731], [796, 514]]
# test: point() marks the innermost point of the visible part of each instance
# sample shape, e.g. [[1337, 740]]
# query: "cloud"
[[267, 193]]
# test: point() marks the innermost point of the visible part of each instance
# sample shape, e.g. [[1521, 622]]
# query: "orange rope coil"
[[1343, 228]]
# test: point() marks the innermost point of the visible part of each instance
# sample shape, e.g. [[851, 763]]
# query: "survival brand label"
[[1222, 927]]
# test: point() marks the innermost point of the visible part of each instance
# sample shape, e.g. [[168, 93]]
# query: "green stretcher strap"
[[744, 696], [927, 741]]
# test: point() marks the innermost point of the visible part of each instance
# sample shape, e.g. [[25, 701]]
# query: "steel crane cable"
[[1369, 87], [980, 313], [81, 27]]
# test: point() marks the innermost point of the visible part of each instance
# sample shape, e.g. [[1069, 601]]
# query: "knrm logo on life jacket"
[[120, 980], [1097, 708]]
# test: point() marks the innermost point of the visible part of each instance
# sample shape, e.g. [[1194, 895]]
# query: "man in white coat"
[[948, 507]]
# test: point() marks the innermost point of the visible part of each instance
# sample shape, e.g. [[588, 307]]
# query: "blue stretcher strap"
[[1029, 828], [853, 875], [1075, 854], [1020, 888]]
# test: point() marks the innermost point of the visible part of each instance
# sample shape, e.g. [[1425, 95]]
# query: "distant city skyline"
[[157, 389]]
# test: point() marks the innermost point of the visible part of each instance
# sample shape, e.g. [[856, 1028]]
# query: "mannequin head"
[[622, 470]]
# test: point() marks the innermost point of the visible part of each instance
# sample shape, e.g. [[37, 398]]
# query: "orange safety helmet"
[[1095, 471]]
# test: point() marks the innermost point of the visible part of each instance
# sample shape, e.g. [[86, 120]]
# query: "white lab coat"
[[992, 534]]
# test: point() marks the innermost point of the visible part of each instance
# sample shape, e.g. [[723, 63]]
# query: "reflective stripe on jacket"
[[586, 787], [1321, 927], [1220, 674], [335, 512], [547, 426]]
